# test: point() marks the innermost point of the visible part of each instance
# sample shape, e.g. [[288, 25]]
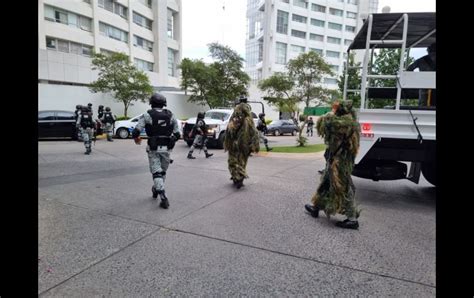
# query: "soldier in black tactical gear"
[[76, 115], [89, 107], [200, 139], [86, 125], [262, 129], [100, 111], [162, 130], [108, 119]]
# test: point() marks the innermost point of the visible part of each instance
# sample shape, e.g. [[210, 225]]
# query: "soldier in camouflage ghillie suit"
[[241, 139], [336, 191]]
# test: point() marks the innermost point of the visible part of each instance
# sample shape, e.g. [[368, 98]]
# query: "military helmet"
[[107, 109], [243, 99], [201, 115], [157, 100], [261, 115], [101, 107], [89, 105], [78, 107]]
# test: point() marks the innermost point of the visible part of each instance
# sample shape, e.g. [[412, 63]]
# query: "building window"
[[316, 37], [142, 43], [285, 1], [280, 53], [170, 24], [142, 21], [114, 7], [355, 2], [107, 52], [335, 26], [282, 22], [319, 51], [318, 8], [332, 54], [171, 62], [335, 68], [344, 55], [299, 19], [297, 49], [347, 42], [67, 18], [350, 28], [335, 12], [113, 32], [143, 65], [297, 33], [341, 1], [300, 3], [334, 40], [317, 23], [87, 1], [351, 15], [330, 81], [145, 2], [66, 46]]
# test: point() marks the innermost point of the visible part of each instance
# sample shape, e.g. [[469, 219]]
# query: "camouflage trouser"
[[309, 130], [199, 141], [109, 130], [262, 137], [87, 136], [336, 192], [159, 161], [237, 162]]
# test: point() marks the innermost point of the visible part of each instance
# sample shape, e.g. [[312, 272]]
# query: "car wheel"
[[122, 133], [277, 133]]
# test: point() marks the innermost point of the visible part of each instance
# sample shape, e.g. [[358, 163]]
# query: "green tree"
[[120, 78], [353, 81], [217, 84], [386, 62], [301, 84]]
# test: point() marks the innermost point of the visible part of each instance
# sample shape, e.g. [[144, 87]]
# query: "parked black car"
[[280, 127], [56, 124]]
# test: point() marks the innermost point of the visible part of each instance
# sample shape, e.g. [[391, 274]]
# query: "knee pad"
[[159, 174]]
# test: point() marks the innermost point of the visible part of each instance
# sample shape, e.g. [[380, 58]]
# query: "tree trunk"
[[125, 109]]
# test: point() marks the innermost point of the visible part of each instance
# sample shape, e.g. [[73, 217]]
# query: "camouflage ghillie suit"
[[241, 139], [336, 191]]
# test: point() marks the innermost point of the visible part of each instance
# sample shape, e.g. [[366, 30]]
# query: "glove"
[[138, 140]]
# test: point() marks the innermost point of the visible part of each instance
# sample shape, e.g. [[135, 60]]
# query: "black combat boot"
[[209, 154], [268, 148], [88, 151], [239, 183], [313, 210], [320, 171], [348, 224], [154, 192], [190, 156], [164, 200], [110, 139]]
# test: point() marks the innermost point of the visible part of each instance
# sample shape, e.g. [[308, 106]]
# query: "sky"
[[205, 21]]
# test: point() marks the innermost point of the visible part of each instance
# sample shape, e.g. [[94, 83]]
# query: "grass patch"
[[294, 149]]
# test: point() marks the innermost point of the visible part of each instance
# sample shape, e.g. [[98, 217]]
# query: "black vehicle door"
[[65, 125], [46, 123]]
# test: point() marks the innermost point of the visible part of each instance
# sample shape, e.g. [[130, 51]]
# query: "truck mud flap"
[[380, 170]]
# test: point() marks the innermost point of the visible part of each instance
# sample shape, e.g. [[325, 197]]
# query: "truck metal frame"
[[392, 137]]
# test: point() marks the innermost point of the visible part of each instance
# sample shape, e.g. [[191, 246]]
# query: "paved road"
[[100, 232]]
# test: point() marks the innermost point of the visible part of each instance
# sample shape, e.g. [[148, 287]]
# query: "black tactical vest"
[[161, 126], [108, 118], [86, 119]]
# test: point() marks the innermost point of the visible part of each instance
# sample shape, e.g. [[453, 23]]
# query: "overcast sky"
[[205, 21]]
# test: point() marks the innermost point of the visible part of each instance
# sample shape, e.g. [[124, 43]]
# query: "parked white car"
[[216, 121], [123, 128]]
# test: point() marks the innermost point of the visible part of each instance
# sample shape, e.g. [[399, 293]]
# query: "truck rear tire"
[[429, 171]]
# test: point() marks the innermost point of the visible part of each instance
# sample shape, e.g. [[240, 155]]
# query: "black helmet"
[[78, 107], [84, 108], [89, 105], [201, 115], [107, 109], [101, 107], [261, 115], [243, 99], [157, 100]]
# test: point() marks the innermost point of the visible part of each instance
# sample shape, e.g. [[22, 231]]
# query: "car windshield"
[[217, 115], [277, 122]]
